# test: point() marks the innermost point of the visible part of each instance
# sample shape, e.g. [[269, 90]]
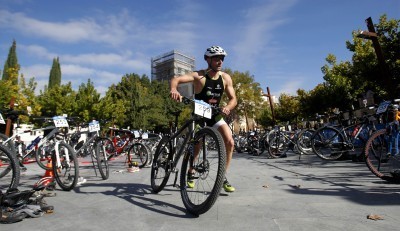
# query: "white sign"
[[202, 108], [60, 122], [94, 126], [2, 120]]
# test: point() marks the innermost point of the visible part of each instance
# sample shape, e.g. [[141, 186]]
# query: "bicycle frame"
[[41, 142]]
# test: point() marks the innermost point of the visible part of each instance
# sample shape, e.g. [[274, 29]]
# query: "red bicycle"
[[124, 141]]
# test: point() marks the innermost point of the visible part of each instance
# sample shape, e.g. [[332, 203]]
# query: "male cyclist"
[[209, 86]]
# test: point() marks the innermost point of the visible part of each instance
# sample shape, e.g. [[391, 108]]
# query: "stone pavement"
[[271, 194]]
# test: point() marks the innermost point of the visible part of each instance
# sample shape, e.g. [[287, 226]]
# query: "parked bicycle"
[[280, 141], [54, 150], [128, 142], [382, 153], [93, 146], [332, 142], [208, 165]]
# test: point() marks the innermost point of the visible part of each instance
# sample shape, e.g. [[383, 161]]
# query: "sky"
[[281, 43]]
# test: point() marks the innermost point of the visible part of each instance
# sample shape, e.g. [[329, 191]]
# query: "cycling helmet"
[[214, 51]]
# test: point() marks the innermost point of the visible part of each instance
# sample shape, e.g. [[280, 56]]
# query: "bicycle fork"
[[57, 153]]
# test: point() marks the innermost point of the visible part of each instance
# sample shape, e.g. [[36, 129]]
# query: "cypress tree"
[[55, 74], [11, 64]]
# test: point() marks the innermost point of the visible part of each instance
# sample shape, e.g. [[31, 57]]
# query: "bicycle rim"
[[66, 172], [209, 172], [9, 169], [162, 165], [379, 160]]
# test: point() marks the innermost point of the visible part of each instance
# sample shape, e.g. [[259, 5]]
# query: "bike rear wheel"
[[101, 159], [162, 165], [379, 159], [328, 143], [66, 167], [277, 144], [304, 141], [209, 171], [43, 155], [138, 155], [9, 169]]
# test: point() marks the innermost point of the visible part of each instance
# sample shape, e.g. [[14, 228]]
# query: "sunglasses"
[[218, 58]]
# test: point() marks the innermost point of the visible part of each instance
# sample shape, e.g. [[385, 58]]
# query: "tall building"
[[170, 64]]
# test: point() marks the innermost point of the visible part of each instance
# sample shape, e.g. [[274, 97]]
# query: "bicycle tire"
[[304, 141], [101, 159], [162, 165], [328, 143], [9, 169], [109, 148], [43, 155], [209, 174], [378, 158], [277, 144], [10, 144], [138, 155], [67, 173]]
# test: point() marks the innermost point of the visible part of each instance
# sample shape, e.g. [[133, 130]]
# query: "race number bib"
[[94, 126], [136, 134], [202, 108], [2, 120], [60, 122], [382, 107]]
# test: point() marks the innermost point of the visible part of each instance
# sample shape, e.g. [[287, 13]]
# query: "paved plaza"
[[271, 194]]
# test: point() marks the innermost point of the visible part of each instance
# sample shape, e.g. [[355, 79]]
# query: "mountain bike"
[[52, 149], [382, 153], [208, 165], [95, 148]]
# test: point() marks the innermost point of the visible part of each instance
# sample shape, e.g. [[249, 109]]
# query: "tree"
[[26, 97], [11, 63], [248, 95], [366, 68], [58, 100], [346, 80], [287, 109], [86, 100], [8, 89], [55, 74]]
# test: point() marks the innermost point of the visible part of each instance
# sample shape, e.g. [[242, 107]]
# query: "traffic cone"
[[49, 170], [48, 177]]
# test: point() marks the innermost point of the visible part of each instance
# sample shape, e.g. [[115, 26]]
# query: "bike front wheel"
[[328, 143], [101, 158], [379, 158], [9, 169], [65, 166], [162, 165], [207, 169]]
